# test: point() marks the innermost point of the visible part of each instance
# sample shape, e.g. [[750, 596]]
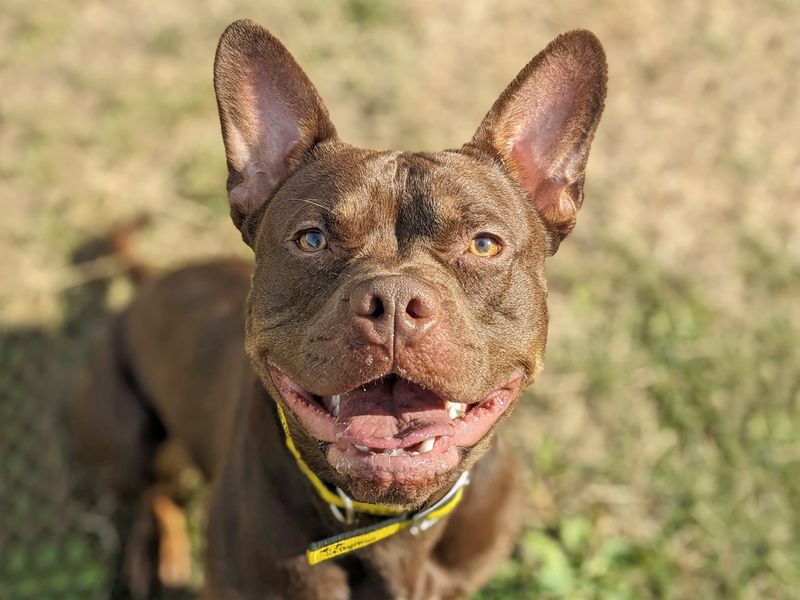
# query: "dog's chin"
[[391, 441], [403, 478], [407, 494]]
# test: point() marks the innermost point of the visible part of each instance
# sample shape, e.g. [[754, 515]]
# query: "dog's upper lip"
[[376, 417], [314, 396]]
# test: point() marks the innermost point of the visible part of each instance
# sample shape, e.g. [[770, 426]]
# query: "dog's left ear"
[[542, 126], [271, 117]]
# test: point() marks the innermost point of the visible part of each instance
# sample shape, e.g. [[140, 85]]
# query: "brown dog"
[[395, 312]]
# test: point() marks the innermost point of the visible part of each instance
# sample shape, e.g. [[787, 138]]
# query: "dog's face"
[[398, 305]]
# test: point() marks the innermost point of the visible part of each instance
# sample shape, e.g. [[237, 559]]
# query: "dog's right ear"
[[271, 117]]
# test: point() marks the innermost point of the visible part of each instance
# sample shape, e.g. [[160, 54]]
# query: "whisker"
[[307, 201]]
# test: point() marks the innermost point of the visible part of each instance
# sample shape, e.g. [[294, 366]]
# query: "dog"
[[341, 390]]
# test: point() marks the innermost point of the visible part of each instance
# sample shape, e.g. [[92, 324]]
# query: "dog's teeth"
[[456, 410], [364, 449], [335, 405], [427, 445]]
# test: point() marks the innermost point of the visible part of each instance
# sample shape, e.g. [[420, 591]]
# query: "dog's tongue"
[[390, 410]]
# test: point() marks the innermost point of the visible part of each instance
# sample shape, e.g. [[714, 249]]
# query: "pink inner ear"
[[263, 141], [546, 188], [251, 192], [540, 148], [278, 128], [260, 177]]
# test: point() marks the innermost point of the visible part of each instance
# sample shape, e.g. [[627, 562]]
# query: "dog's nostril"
[[375, 309], [417, 308]]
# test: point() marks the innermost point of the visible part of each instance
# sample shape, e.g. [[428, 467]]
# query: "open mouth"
[[392, 429]]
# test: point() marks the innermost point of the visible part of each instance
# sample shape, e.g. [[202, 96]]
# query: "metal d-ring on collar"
[[419, 520], [349, 515]]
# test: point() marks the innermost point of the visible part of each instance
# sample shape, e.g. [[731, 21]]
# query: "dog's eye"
[[484, 246], [312, 240]]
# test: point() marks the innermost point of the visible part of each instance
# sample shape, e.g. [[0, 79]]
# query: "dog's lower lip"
[[399, 466]]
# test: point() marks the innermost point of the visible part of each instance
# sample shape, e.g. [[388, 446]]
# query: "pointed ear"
[[542, 126], [271, 117]]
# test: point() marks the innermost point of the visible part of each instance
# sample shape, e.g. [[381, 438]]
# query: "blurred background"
[[662, 442]]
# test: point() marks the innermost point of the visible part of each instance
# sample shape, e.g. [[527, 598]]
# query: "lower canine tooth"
[[427, 445], [456, 410], [335, 405], [364, 449]]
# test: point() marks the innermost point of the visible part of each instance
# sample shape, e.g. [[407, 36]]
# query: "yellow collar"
[[358, 538]]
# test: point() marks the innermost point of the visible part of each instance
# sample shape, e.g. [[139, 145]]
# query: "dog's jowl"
[[343, 390]]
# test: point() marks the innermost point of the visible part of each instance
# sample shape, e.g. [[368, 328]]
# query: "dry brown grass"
[[108, 111]]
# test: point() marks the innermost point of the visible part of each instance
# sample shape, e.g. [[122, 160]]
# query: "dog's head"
[[398, 305]]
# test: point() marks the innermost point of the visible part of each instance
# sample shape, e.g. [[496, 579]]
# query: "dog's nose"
[[395, 308]]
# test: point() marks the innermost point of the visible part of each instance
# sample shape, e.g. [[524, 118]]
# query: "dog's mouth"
[[391, 430]]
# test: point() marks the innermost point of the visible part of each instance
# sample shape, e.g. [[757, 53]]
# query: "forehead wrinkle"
[[418, 215], [481, 201], [363, 218]]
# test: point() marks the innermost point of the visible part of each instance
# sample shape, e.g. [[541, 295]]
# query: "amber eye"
[[484, 246], [312, 240]]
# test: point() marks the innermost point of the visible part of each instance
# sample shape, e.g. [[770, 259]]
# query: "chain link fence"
[[57, 533]]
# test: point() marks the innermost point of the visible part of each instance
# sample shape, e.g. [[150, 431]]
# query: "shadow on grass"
[[60, 536]]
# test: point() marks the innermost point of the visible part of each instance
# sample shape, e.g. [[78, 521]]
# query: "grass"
[[661, 443]]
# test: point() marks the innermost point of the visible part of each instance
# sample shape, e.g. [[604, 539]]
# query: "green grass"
[[56, 568], [661, 443]]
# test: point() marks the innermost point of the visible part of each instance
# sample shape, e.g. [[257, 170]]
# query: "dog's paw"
[[174, 547]]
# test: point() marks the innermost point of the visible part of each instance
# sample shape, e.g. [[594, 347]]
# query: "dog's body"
[[395, 312]]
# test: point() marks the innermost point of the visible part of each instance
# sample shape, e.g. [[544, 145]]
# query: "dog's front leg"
[[480, 532], [318, 582]]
